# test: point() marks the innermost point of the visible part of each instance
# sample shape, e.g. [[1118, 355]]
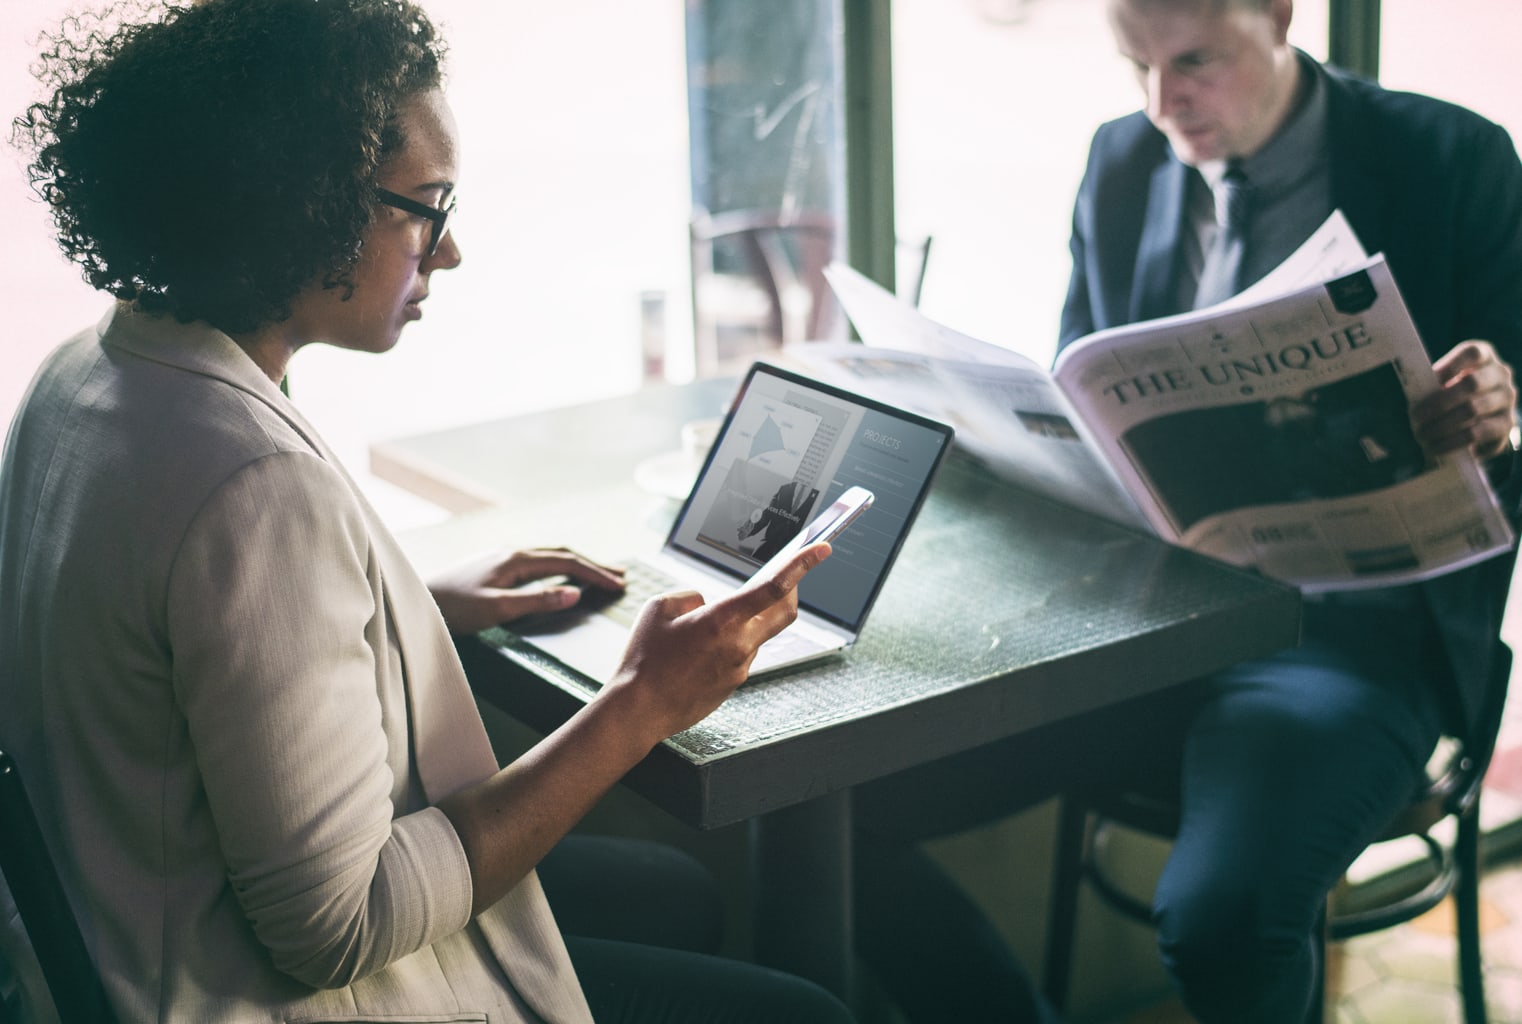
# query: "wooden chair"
[[33, 881], [758, 282], [1453, 792]]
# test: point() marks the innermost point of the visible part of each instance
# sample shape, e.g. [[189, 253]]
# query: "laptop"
[[787, 449]]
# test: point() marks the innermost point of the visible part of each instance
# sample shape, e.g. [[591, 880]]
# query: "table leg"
[[801, 891]]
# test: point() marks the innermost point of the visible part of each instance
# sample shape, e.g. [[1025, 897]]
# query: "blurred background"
[[597, 135]]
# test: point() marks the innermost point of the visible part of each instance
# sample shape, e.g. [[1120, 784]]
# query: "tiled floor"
[[1406, 975]]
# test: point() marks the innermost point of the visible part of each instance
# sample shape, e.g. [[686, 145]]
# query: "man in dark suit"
[[1291, 764]]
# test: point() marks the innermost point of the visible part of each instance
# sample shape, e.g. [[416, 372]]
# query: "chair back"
[[33, 881], [758, 283]]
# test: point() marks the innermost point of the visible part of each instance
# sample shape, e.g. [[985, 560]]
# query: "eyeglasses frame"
[[438, 219]]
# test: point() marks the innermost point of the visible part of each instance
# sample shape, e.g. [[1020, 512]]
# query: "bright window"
[[573, 215], [1459, 50]]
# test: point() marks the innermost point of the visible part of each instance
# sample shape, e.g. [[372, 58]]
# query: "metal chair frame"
[[1453, 792]]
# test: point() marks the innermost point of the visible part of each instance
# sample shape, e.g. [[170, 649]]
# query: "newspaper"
[[1271, 431]]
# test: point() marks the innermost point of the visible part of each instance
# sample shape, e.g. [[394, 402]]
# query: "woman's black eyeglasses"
[[437, 219]]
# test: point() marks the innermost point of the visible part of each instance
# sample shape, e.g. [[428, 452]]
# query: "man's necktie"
[[1221, 277]]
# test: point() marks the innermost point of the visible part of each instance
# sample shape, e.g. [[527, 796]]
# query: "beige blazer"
[[235, 704]]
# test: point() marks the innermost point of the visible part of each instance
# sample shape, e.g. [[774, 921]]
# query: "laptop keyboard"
[[641, 582]]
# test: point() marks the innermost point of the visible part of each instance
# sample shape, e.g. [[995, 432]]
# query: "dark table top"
[[1004, 612]]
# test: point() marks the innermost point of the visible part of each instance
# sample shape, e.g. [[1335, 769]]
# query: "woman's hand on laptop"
[[489, 591], [686, 657]]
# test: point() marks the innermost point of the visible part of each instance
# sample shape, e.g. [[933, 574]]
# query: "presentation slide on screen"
[[791, 450]]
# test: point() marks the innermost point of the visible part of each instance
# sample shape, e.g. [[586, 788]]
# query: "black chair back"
[[28, 869]]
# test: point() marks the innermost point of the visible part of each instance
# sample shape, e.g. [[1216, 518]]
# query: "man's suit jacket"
[[236, 706], [1433, 186]]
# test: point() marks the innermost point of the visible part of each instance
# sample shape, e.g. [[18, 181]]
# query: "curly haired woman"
[[249, 741]]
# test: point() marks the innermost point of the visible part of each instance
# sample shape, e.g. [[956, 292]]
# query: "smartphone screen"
[[825, 527]]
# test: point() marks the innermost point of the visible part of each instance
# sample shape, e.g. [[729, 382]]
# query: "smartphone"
[[826, 526]]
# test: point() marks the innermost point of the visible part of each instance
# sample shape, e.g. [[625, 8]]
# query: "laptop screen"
[[787, 449]]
